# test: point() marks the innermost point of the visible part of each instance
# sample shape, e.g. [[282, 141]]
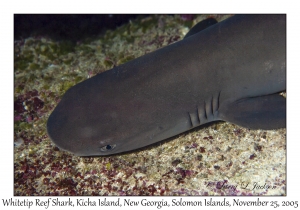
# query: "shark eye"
[[108, 147]]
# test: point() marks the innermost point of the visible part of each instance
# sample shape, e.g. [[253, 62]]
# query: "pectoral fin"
[[264, 112]]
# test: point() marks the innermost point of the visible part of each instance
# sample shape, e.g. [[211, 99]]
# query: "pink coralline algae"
[[187, 17], [184, 173], [27, 106]]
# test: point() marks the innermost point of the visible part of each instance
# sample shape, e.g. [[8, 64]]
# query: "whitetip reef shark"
[[231, 71]]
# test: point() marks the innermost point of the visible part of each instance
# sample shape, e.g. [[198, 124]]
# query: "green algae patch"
[[65, 86]]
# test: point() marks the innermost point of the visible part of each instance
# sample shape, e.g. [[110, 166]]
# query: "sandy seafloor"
[[217, 159]]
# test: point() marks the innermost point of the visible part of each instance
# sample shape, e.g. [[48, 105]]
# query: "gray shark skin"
[[231, 71]]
